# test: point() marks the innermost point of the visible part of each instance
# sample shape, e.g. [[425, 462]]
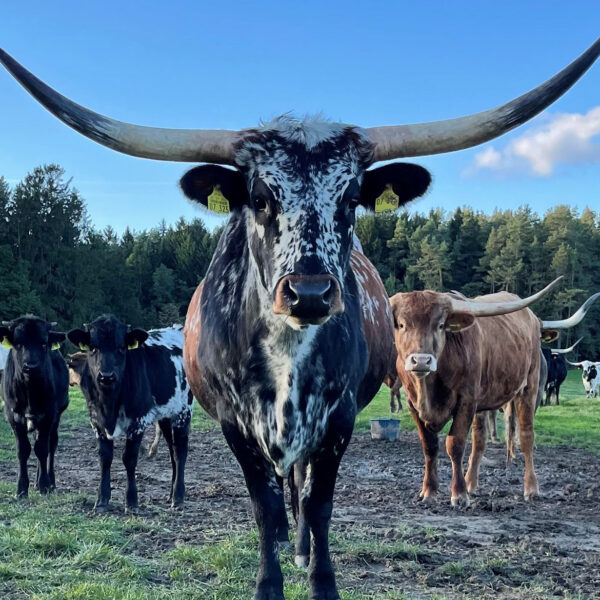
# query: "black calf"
[[35, 388]]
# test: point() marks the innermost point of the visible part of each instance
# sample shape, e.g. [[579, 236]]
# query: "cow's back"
[[510, 353]]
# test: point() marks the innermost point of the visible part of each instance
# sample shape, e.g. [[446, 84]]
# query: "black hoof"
[[101, 509], [132, 510]]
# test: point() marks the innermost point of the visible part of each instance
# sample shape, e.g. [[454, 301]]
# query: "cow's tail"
[[510, 420], [294, 495]]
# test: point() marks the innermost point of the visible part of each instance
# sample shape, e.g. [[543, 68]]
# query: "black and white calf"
[[35, 389], [130, 379]]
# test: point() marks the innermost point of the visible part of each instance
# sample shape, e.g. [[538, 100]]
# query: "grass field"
[[52, 548]]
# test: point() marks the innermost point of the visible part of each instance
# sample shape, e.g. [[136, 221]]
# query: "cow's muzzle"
[[308, 299], [30, 368], [420, 365], [107, 379]]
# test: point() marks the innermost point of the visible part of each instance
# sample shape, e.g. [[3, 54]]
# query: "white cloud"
[[563, 139]]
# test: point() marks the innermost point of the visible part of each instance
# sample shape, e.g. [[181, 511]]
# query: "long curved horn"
[[492, 309], [455, 134], [573, 319], [574, 364], [565, 350], [184, 145]]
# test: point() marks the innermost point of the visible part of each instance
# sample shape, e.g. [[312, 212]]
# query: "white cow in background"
[[590, 376]]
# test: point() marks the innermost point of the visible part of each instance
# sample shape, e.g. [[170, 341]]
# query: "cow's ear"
[[459, 321], [219, 189], [392, 186], [6, 337], [135, 338], [55, 338], [80, 338], [549, 335]]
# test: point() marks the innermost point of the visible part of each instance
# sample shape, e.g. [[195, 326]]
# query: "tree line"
[[56, 264]]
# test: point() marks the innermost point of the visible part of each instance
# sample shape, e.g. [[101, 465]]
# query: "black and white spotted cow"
[[590, 376], [280, 344], [130, 379], [35, 391]]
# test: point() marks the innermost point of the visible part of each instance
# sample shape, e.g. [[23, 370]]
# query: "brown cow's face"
[[422, 320]]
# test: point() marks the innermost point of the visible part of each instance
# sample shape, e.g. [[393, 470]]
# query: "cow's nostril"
[[428, 360], [413, 359], [329, 294], [291, 293]]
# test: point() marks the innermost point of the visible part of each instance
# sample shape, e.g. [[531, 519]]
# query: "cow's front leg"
[[41, 448], [23, 452], [317, 504], [479, 437], [268, 506], [53, 446], [302, 531], [105, 457], [430, 444], [455, 446], [130, 458]]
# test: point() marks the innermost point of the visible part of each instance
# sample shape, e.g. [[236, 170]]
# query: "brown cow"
[[76, 362], [395, 384], [453, 365]]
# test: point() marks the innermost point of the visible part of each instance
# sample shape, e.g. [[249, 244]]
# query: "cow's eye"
[[441, 325], [260, 204], [44, 347]]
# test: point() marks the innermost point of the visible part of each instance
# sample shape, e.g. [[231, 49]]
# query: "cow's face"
[[590, 370], [107, 343], [422, 321], [31, 340], [298, 185]]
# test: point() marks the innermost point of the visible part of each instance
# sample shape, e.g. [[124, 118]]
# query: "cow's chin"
[[420, 374], [300, 324]]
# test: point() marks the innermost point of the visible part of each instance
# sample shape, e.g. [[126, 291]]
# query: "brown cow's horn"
[[574, 319], [565, 350], [455, 134], [184, 145], [491, 309]]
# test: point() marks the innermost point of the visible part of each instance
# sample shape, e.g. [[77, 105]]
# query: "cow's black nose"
[[107, 378], [308, 298], [28, 367]]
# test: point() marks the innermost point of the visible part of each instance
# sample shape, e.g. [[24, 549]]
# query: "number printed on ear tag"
[[387, 201], [217, 202]]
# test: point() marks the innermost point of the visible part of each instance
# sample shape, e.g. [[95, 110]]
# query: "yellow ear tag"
[[217, 202], [6, 343], [387, 201], [84, 347], [55, 346], [454, 327], [133, 346]]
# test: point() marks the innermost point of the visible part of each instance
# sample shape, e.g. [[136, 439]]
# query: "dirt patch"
[[383, 538]]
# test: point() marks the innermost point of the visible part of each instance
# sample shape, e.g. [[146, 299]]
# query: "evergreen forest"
[[56, 264]]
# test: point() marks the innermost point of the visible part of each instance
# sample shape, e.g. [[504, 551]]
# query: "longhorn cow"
[[278, 345], [457, 359]]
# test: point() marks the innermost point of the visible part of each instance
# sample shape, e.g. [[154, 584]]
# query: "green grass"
[[51, 548]]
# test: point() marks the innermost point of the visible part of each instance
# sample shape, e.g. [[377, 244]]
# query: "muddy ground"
[[383, 538]]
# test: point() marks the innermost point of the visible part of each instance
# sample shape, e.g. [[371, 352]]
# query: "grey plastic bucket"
[[385, 429]]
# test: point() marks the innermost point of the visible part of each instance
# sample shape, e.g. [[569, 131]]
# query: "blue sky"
[[230, 64]]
